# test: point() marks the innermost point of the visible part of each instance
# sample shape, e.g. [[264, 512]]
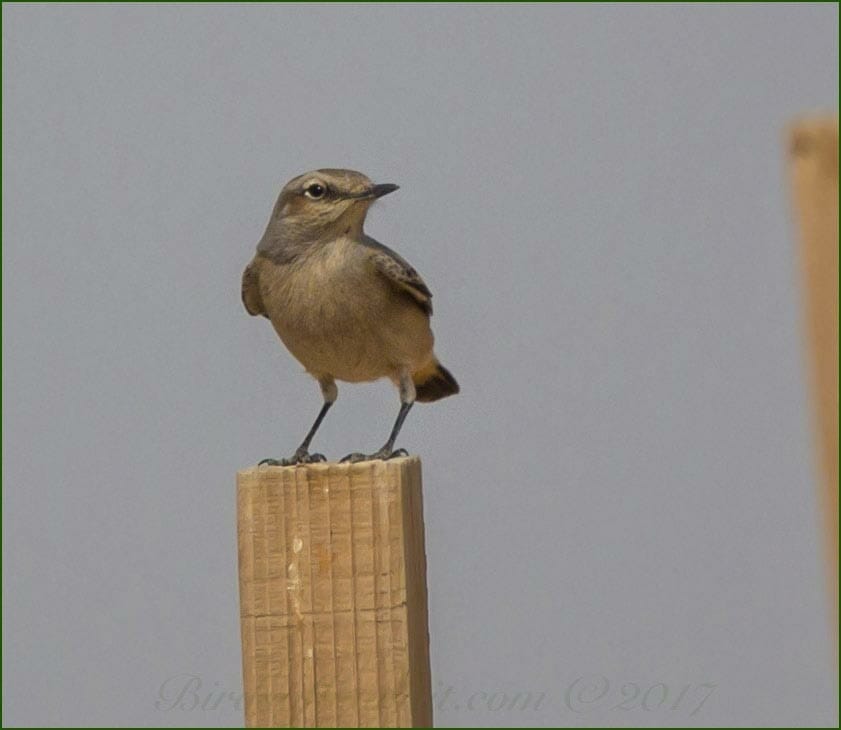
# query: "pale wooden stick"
[[333, 595], [813, 152]]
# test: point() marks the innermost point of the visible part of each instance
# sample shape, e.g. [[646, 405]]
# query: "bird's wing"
[[251, 291], [400, 273]]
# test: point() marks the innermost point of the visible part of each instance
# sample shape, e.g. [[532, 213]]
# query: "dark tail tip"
[[438, 385]]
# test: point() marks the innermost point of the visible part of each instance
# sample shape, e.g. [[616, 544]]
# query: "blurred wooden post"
[[813, 151], [333, 604]]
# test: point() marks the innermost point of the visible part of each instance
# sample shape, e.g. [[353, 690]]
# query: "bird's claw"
[[381, 455], [299, 457], [353, 458]]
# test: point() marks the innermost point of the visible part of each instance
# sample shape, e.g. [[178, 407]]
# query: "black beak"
[[384, 189]]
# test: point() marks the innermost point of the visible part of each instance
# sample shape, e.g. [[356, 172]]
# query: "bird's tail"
[[433, 381]]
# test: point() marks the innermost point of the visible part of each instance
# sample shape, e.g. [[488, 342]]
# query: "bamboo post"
[[333, 604], [813, 152]]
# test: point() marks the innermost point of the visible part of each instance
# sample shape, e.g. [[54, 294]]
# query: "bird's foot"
[[301, 456], [382, 455]]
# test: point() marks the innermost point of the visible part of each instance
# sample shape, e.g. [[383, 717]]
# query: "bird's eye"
[[315, 191]]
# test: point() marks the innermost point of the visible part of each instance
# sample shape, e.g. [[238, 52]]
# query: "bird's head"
[[326, 202]]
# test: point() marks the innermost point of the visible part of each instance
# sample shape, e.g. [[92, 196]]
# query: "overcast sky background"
[[624, 490]]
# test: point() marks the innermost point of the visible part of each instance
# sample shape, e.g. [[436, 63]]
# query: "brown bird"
[[346, 306]]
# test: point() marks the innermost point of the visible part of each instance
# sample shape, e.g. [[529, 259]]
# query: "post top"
[[324, 466]]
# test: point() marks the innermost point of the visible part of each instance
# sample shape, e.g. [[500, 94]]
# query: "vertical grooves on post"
[[333, 595], [290, 617], [260, 527], [385, 502], [375, 581], [396, 565], [353, 593], [335, 685], [268, 553], [309, 653]]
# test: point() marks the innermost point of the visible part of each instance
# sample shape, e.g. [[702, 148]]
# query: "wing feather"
[[400, 273], [251, 291]]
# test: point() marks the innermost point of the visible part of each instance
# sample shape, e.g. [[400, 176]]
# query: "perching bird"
[[347, 307]]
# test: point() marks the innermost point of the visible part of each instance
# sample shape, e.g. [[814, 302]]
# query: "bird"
[[346, 306]]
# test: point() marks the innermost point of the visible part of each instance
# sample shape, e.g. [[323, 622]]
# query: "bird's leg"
[[407, 399], [302, 454]]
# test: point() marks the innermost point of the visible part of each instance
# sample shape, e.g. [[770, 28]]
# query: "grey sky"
[[596, 195]]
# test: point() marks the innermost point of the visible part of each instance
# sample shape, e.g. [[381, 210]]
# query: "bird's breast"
[[338, 317], [319, 293]]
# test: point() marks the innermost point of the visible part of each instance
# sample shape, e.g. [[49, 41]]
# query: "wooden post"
[[333, 605], [813, 151]]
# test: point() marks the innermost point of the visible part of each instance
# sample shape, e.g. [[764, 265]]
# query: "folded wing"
[[400, 273]]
